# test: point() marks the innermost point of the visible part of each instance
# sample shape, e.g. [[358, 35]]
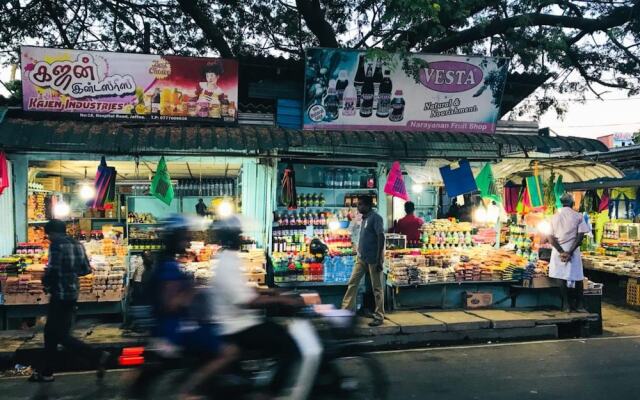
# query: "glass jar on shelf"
[[339, 179]]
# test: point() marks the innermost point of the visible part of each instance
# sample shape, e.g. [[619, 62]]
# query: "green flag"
[[487, 184], [534, 187], [558, 191], [161, 184]]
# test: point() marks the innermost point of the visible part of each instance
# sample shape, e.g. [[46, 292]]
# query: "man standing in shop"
[[567, 232], [370, 258], [409, 225], [67, 262]]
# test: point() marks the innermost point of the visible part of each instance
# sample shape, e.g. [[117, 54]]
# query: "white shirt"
[[565, 225], [231, 294]]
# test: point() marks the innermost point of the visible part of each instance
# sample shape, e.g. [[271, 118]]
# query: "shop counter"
[[9, 312], [451, 295]]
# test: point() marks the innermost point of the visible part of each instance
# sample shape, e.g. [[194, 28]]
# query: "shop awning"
[[22, 134], [629, 180], [572, 170]]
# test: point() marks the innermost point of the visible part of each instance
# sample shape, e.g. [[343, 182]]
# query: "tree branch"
[[314, 16], [622, 47], [209, 28], [413, 36], [615, 18], [58, 23]]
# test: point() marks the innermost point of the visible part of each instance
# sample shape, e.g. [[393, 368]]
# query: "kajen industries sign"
[[348, 89], [129, 86]]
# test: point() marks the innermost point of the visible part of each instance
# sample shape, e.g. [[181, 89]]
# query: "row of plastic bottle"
[[338, 269]]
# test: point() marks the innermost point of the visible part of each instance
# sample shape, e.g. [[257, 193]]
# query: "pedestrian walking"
[[67, 262], [370, 259]]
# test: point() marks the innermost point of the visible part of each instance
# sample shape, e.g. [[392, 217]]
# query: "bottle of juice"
[[384, 96], [341, 85], [397, 107], [331, 102]]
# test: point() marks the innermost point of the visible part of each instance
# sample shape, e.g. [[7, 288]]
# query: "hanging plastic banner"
[[458, 178], [4, 172], [395, 184], [487, 184], [105, 184], [558, 191], [534, 191], [161, 186]]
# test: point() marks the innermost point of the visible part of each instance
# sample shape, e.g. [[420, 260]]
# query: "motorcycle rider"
[[176, 332], [236, 308]]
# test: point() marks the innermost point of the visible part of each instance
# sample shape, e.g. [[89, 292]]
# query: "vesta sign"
[[371, 90], [451, 76]]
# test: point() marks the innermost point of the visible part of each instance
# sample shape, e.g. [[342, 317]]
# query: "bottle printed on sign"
[[384, 97], [341, 85], [331, 102], [155, 102], [366, 108], [358, 81], [377, 81], [397, 107], [349, 101]]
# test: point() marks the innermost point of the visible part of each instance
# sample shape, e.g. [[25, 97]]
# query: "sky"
[[617, 113]]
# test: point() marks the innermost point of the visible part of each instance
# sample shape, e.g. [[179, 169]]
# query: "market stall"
[[318, 201], [114, 212], [497, 259], [613, 255]]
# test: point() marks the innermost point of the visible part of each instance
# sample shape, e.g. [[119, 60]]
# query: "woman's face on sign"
[[211, 77]]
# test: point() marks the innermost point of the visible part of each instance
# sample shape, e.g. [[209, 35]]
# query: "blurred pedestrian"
[[67, 262]]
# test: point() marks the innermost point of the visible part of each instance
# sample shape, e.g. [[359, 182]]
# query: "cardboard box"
[[473, 300], [53, 183], [25, 298], [544, 282]]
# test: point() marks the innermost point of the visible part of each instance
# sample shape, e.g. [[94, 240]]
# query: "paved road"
[[599, 368]]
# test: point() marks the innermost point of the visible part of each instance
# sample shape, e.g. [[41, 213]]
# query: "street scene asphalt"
[[597, 368]]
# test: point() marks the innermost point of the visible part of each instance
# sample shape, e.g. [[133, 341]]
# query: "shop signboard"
[[103, 85], [376, 90]]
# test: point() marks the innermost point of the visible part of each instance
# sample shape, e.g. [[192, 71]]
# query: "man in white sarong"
[[568, 230]]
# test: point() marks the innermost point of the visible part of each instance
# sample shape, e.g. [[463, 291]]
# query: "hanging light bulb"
[[61, 209], [225, 209], [417, 188], [87, 189], [87, 192]]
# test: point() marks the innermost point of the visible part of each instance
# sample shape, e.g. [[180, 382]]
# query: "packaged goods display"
[[141, 218], [443, 234], [21, 274], [623, 264], [477, 264]]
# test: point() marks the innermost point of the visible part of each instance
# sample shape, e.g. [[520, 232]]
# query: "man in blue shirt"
[[370, 259]]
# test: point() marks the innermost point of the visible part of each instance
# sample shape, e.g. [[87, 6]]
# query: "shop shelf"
[[41, 191], [144, 223], [452, 283], [338, 189], [314, 207], [308, 284], [38, 222]]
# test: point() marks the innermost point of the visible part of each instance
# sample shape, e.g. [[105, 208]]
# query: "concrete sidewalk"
[[401, 330]]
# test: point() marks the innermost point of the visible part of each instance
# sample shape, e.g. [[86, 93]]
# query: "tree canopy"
[[580, 45]]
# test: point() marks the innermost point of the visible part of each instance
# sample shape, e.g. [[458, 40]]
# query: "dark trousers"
[[272, 340], [573, 298], [58, 331]]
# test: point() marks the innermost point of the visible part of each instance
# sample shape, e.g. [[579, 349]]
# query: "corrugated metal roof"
[[21, 134]]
